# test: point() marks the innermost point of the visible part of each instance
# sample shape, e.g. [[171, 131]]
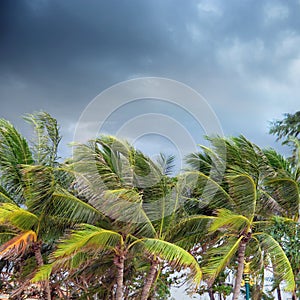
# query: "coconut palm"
[[32, 191], [242, 206], [286, 183], [141, 203]]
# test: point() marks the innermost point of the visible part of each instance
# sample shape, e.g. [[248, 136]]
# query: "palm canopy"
[[136, 196], [242, 205], [92, 239], [36, 203]]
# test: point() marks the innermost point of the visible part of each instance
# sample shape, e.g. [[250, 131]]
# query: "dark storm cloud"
[[243, 56]]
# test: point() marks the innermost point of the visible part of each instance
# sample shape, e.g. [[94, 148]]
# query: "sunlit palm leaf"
[[280, 263], [88, 238], [17, 217], [220, 256], [17, 245], [174, 255], [227, 219]]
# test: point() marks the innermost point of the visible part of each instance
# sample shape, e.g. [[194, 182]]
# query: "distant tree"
[[288, 127]]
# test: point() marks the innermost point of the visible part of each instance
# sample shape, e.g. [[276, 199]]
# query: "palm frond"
[[219, 257], [17, 245], [66, 205], [280, 263], [166, 163], [207, 190], [42, 274], [5, 197], [18, 217], [228, 220], [40, 184], [14, 152], [47, 137], [189, 230], [242, 190], [174, 255], [126, 205], [287, 194], [87, 238]]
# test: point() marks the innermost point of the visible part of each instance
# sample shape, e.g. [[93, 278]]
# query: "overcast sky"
[[242, 56]]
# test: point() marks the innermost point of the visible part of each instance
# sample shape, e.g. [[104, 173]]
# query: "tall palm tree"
[[32, 191], [286, 183], [140, 201], [242, 206]]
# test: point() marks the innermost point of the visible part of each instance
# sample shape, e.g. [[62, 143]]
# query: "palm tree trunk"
[[119, 263], [211, 294], [239, 273], [294, 296], [149, 280], [40, 262], [278, 293]]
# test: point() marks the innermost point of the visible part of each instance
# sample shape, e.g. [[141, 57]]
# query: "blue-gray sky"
[[242, 56]]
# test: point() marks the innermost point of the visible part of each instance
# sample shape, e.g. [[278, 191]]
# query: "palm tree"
[[95, 240], [139, 200], [32, 191], [286, 183], [242, 206]]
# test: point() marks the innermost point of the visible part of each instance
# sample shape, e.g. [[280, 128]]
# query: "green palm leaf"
[[174, 255], [218, 257], [227, 219], [43, 273], [14, 152], [287, 194], [280, 263], [88, 238], [18, 217], [47, 137], [242, 190]]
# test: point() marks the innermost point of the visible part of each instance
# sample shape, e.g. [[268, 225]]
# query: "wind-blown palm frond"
[[66, 205], [17, 217], [47, 137], [14, 152], [5, 197], [280, 263], [126, 205], [189, 231], [174, 255], [220, 256], [43, 273], [280, 165], [207, 190], [242, 190], [166, 163], [88, 238], [226, 218], [16, 246], [286, 193]]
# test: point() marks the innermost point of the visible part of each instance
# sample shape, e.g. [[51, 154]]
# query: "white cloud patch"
[[209, 6], [239, 55], [288, 44], [275, 12]]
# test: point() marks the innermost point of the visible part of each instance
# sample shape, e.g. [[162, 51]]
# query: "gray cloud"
[[243, 56]]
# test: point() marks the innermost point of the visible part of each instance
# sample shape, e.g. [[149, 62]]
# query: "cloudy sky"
[[242, 56]]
